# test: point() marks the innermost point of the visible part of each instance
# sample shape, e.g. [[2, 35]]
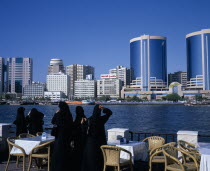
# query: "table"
[[204, 150], [29, 143], [139, 150]]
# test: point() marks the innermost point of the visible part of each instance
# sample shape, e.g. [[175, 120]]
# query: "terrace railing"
[[169, 137]]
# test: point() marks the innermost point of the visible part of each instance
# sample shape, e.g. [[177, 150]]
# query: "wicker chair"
[[25, 135], [173, 163], [11, 144], [111, 156], [154, 142], [190, 148], [38, 133], [156, 155], [37, 152]]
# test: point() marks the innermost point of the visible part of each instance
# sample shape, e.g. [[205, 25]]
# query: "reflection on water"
[[144, 118]]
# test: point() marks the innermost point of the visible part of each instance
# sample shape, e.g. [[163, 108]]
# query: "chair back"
[[111, 155], [186, 146], [171, 154], [155, 141], [25, 135], [39, 133], [42, 146], [11, 143]]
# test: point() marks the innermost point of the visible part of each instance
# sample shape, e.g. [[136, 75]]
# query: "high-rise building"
[[198, 62], [56, 66], [122, 73], [19, 74], [109, 85], [85, 89], [148, 62], [78, 72], [180, 77], [58, 82], [1, 75]]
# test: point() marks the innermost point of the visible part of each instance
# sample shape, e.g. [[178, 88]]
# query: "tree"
[[135, 98], [173, 97], [198, 97]]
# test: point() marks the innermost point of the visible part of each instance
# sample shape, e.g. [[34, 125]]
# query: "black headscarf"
[[96, 112], [80, 112]]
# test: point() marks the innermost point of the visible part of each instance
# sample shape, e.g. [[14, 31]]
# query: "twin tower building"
[[148, 61]]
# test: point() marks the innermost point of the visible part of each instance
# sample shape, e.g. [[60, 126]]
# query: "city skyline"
[[95, 33]]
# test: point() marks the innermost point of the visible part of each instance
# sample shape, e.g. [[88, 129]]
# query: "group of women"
[[77, 143], [31, 124]]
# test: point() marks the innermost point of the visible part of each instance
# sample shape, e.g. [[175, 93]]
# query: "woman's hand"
[[83, 120], [101, 107]]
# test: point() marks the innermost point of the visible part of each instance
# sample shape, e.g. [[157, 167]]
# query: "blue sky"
[[96, 32]]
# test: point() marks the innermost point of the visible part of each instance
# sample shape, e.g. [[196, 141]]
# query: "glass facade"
[[148, 61], [198, 64]]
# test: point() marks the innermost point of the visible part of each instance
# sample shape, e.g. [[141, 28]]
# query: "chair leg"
[[24, 162], [131, 166], [7, 163], [118, 168], [17, 162], [150, 166], [29, 165], [104, 168]]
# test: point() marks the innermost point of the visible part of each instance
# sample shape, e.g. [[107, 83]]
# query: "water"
[[143, 118]]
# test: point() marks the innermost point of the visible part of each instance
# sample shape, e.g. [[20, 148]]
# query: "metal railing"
[[169, 137]]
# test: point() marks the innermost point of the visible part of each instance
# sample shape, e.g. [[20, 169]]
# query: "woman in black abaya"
[[79, 138], [93, 158], [61, 158], [35, 121], [20, 121]]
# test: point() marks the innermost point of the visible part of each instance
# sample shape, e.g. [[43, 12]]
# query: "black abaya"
[[93, 158]]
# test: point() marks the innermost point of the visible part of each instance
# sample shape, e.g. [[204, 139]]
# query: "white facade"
[[19, 74], [85, 89], [54, 95], [122, 73], [58, 82], [109, 85], [34, 90], [78, 72]]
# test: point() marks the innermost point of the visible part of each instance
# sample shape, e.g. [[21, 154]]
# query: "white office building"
[[34, 90], [109, 85], [54, 95], [85, 89], [58, 82], [122, 73], [78, 72]]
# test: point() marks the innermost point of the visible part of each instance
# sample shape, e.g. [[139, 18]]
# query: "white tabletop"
[[29, 143], [137, 149], [204, 150]]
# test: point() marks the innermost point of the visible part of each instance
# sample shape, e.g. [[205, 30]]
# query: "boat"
[[88, 102]]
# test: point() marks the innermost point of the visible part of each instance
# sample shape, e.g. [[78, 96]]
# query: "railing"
[[139, 136], [169, 137]]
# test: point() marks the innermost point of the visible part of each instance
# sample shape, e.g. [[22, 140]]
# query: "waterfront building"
[[56, 66], [180, 77], [198, 61], [122, 73], [58, 82], [148, 62], [55, 95], [109, 85], [1, 75], [34, 90], [19, 74], [78, 72], [85, 89]]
